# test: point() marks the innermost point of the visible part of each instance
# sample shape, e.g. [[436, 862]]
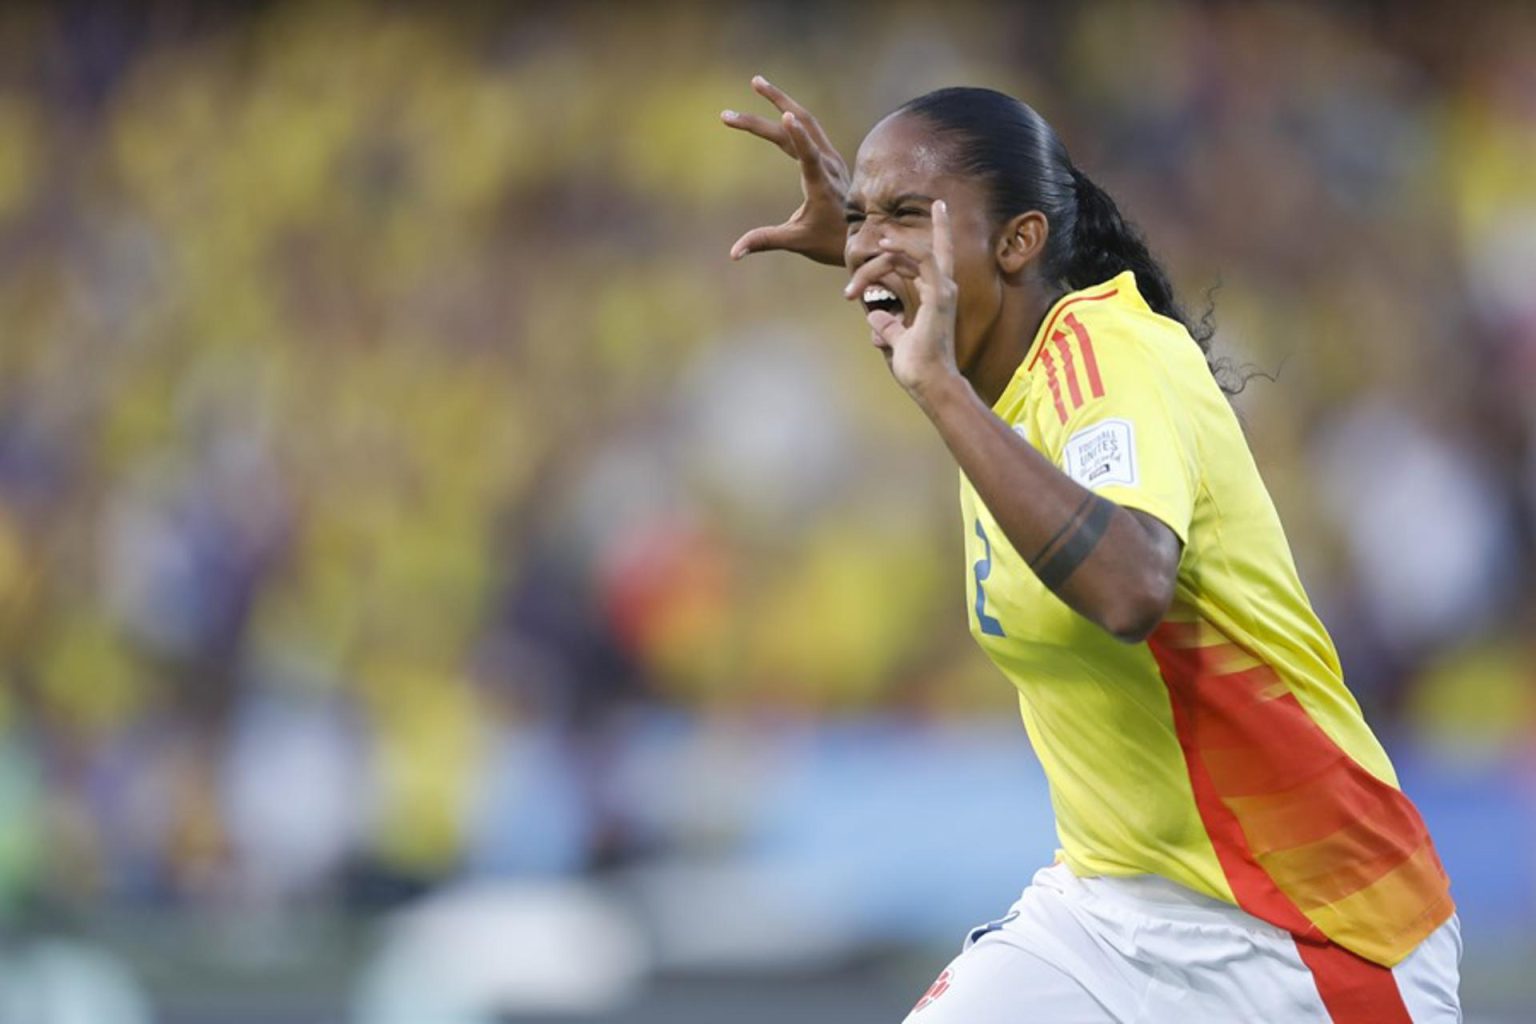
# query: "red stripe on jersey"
[[1055, 385], [1296, 824], [1090, 361], [1354, 990], [1050, 324], [1252, 887], [1067, 365]]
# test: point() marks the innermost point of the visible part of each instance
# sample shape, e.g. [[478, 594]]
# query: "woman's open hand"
[[921, 353], [818, 228]]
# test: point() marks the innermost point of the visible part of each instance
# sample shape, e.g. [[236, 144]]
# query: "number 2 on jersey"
[[983, 569]]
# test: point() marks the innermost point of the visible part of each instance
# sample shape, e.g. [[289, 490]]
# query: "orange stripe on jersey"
[[1055, 386], [1051, 323], [1297, 825], [1354, 990], [1252, 888], [1352, 921], [1090, 361], [1073, 390]]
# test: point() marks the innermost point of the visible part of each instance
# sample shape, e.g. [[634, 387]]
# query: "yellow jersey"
[[1224, 753]]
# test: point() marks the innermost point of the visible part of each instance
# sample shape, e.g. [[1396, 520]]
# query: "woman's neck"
[[1007, 343]]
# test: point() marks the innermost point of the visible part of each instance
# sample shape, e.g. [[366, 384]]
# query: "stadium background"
[[437, 586]]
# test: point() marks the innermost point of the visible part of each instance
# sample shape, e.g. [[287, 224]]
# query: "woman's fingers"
[[787, 105], [880, 266], [943, 242], [888, 328], [768, 128], [936, 267], [816, 230], [805, 148], [789, 132], [764, 239]]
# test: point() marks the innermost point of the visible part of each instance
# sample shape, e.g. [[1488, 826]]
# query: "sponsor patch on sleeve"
[[1102, 454]]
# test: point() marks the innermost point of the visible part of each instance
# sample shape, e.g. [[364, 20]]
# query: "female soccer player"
[[1234, 844]]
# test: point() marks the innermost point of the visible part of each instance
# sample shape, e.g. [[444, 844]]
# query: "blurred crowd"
[[386, 440]]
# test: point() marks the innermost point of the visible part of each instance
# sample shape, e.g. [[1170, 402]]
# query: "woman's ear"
[[1022, 241]]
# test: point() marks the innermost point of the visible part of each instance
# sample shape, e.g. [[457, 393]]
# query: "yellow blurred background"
[[403, 498]]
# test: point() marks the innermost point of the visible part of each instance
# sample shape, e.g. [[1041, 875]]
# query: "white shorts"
[[1148, 951]]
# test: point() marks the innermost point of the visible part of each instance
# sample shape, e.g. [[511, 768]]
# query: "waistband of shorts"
[[1158, 898]]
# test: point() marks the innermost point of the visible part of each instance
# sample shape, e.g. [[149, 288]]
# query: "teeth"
[[876, 293]]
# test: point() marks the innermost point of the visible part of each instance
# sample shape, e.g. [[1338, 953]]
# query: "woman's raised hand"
[[818, 228], [921, 354]]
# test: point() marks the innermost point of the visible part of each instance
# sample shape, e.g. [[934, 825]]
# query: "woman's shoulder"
[[1115, 321]]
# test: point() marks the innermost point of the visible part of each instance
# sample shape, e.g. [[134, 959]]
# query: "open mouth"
[[880, 297]]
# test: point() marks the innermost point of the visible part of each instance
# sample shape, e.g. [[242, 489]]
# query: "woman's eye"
[[855, 218], [910, 211]]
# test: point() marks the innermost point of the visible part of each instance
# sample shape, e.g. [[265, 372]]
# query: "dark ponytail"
[[1004, 142], [1103, 245]]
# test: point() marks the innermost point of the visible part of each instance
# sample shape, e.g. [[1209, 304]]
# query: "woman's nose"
[[863, 245]]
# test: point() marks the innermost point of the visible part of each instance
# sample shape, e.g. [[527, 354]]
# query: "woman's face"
[[902, 167]]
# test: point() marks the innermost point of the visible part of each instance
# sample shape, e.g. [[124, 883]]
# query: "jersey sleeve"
[[1115, 423]]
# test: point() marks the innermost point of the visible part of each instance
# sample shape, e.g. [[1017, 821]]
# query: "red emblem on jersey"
[[1069, 365], [1071, 372], [938, 988]]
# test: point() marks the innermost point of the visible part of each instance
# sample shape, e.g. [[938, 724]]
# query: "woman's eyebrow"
[[855, 203], [904, 198]]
